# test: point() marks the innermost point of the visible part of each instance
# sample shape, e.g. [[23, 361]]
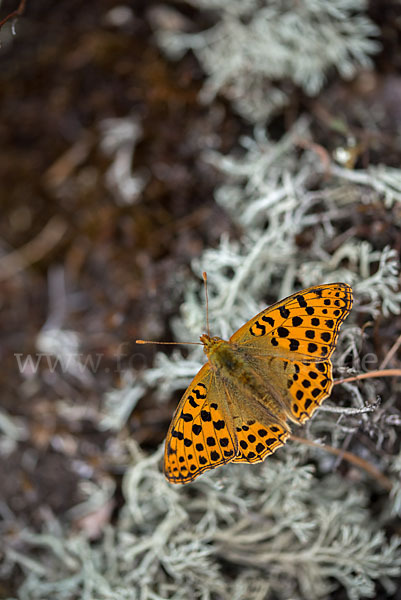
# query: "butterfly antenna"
[[207, 302], [168, 343]]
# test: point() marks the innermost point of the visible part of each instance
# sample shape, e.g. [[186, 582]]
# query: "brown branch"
[[378, 373], [15, 13], [34, 250], [391, 352], [319, 150], [344, 454], [352, 458]]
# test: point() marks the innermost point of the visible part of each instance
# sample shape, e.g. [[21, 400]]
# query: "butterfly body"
[[230, 363], [276, 368], [227, 361], [219, 352]]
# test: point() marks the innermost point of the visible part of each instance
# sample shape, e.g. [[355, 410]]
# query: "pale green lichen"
[[280, 523], [254, 45], [292, 533], [282, 529]]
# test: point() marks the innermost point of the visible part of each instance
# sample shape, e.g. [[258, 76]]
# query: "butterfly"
[[276, 368]]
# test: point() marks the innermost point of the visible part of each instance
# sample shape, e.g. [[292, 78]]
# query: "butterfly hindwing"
[[301, 386], [258, 432], [201, 434], [303, 326], [309, 385], [259, 439]]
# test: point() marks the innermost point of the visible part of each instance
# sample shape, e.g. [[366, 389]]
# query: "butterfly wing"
[[301, 386], [259, 432], [290, 343], [287, 346], [201, 434], [302, 327]]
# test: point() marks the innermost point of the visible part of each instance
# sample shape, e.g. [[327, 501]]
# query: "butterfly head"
[[210, 343]]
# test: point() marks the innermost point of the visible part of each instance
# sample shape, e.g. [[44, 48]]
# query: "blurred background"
[[104, 200], [111, 118]]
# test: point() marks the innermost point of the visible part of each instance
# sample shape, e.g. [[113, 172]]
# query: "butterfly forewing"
[[201, 434], [304, 326]]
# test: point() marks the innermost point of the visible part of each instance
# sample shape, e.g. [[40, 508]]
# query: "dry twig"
[[352, 458], [377, 373], [15, 13], [35, 250]]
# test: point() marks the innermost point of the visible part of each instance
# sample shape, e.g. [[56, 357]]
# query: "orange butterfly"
[[274, 368]]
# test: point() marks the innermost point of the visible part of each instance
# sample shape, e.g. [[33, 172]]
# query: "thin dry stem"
[[391, 352], [35, 250], [352, 458], [15, 13], [377, 373]]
